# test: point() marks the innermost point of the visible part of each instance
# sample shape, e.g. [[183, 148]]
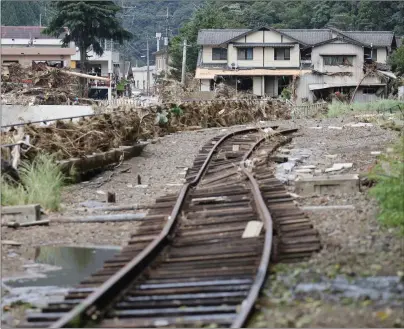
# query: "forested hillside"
[[145, 18]]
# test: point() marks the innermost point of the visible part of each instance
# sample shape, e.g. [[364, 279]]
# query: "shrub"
[[42, 182], [389, 188], [336, 109]]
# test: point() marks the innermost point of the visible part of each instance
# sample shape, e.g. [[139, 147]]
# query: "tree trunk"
[[83, 66], [360, 82]]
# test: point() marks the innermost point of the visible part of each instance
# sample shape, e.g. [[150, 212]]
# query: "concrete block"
[[337, 184], [339, 166], [21, 214], [253, 229], [307, 167], [359, 124], [303, 170], [304, 175]]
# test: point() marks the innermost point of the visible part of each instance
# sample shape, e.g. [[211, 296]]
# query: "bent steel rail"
[[248, 303], [96, 303]]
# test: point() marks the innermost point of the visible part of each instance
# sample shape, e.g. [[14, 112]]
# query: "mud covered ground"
[[329, 290]]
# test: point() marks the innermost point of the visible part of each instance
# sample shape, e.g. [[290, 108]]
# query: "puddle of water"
[[62, 266], [55, 270]]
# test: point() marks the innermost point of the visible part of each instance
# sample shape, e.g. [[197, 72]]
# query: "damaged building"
[[310, 64]]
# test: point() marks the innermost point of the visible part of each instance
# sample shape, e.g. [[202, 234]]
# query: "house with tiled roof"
[[318, 62]]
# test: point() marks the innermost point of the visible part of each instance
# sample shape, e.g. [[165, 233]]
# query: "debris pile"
[[125, 126], [36, 85], [224, 91], [170, 90], [89, 135], [223, 113]]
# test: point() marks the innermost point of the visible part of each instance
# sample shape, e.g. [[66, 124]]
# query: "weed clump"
[[41, 182], [336, 109], [389, 188]]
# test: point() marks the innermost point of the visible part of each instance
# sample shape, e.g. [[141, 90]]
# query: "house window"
[[245, 54], [338, 60], [369, 90], [144, 85], [374, 55], [282, 54], [137, 83], [219, 54]]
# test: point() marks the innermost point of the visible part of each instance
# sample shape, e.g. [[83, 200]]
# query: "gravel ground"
[[160, 163], [354, 244]]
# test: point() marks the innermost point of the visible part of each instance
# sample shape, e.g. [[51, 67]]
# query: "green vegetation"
[[389, 190], [336, 108], [145, 18], [206, 17], [353, 15], [397, 61], [286, 93], [41, 181], [89, 23]]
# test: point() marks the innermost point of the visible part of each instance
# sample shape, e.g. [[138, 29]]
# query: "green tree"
[[397, 61], [89, 23], [15, 13], [209, 16]]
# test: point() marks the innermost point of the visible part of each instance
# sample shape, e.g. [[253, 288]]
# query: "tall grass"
[[42, 182], [389, 190], [336, 108]]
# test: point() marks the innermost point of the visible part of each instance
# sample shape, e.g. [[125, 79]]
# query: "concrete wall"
[[401, 92], [11, 114], [141, 77], [25, 55], [8, 42]]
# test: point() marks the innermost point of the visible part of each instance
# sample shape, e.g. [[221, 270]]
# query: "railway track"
[[200, 257]]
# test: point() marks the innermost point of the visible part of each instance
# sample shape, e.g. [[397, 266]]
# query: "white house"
[[27, 44], [140, 77], [107, 65], [317, 62]]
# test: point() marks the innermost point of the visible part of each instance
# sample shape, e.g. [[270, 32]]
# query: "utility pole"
[[165, 39], [148, 67], [184, 61]]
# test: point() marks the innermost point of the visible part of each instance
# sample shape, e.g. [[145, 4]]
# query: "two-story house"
[[108, 65], [27, 44], [313, 63]]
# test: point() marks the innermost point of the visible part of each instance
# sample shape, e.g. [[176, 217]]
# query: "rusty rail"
[[266, 217], [96, 303]]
